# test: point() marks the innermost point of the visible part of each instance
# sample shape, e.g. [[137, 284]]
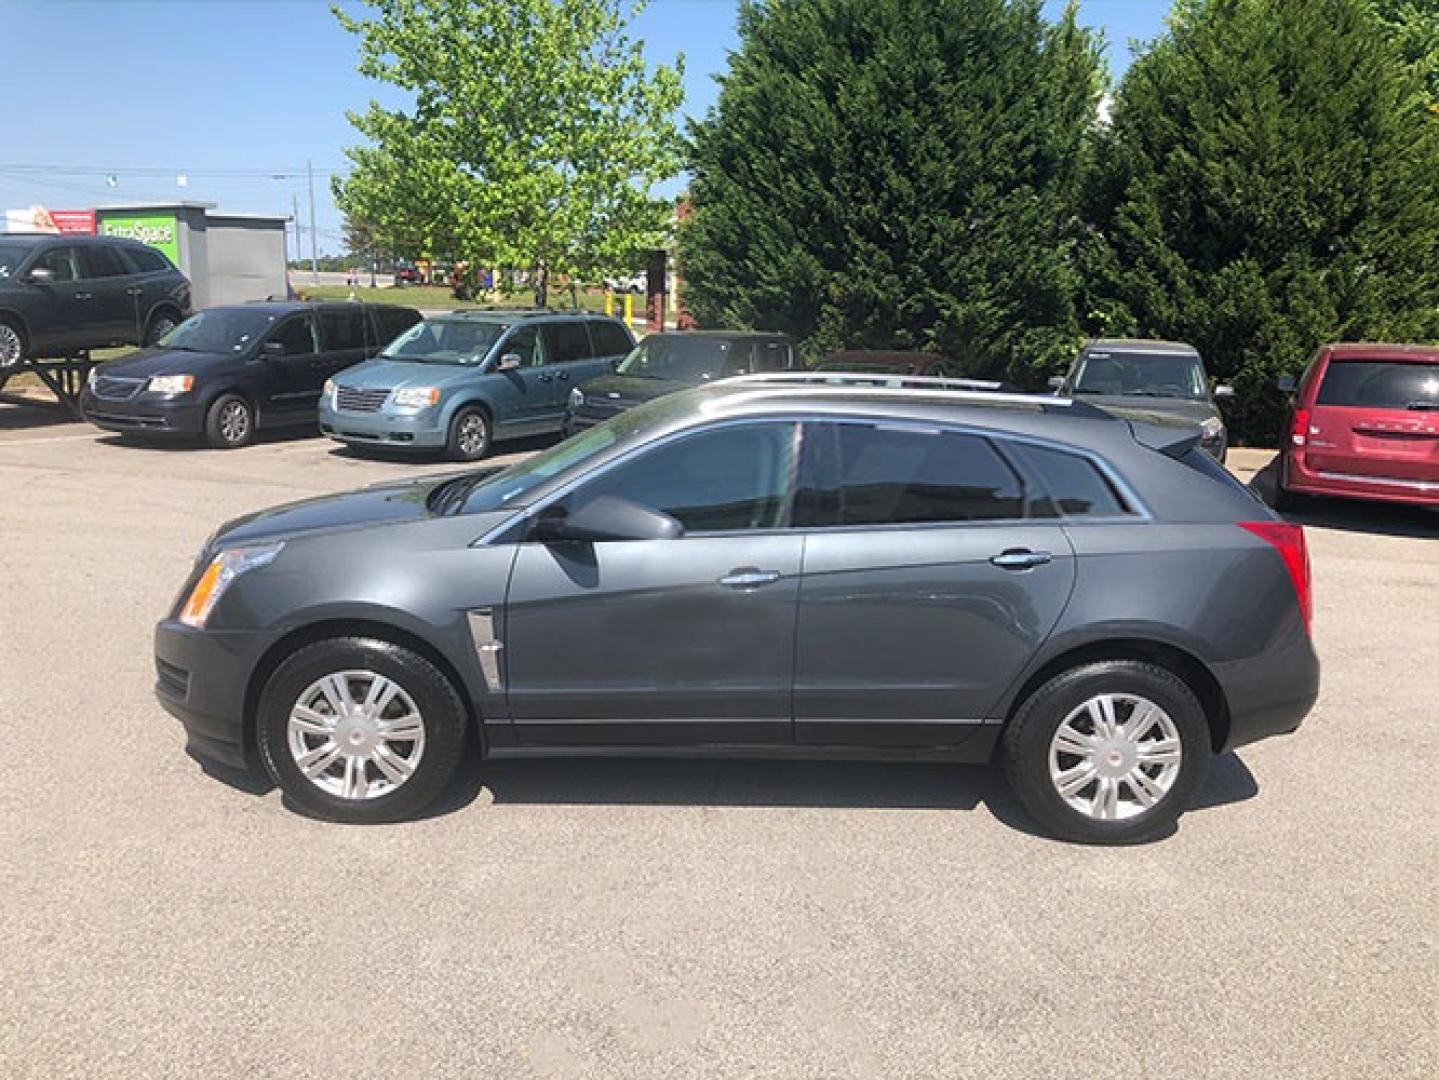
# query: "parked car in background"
[[65, 294], [897, 362], [798, 569], [676, 360], [461, 381], [1364, 424], [227, 371], [408, 275], [630, 283], [1154, 378]]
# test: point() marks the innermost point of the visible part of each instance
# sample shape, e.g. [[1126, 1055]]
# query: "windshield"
[[686, 359], [11, 256], [1381, 384], [446, 341], [495, 489], [219, 330], [1162, 375]]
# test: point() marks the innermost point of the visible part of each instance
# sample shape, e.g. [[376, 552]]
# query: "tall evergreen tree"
[[1271, 182], [1413, 25], [897, 173]]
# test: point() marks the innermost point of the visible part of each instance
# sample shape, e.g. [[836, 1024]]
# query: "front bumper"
[[419, 429], [145, 413], [1301, 480], [202, 679]]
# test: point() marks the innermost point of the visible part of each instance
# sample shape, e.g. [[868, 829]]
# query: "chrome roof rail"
[[960, 391]]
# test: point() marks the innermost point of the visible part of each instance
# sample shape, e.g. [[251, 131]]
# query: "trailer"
[[64, 377]]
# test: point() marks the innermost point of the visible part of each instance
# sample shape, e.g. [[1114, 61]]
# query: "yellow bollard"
[[629, 308], [609, 301]]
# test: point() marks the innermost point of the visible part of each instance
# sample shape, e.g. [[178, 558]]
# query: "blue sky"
[[254, 88]]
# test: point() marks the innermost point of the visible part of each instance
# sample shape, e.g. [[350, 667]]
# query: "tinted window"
[[525, 343], [147, 260], [1074, 487], [611, 339], [344, 328], [685, 358], [1380, 384], [101, 261], [566, 341], [11, 256], [390, 323], [904, 475], [1133, 374], [737, 477], [59, 262], [297, 335], [771, 356]]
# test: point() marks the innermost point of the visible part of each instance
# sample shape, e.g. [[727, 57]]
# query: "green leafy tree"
[[532, 137], [1413, 26], [1271, 182], [897, 173]]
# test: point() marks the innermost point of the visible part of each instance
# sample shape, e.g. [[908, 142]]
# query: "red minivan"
[[1365, 425]]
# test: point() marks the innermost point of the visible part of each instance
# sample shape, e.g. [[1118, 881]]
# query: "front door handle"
[[562, 375], [84, 296], [545, 377], [1021, 559], [748, 577]]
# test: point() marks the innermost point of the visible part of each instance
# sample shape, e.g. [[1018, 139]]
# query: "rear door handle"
[[562, 375], [1021, 559], [748, 577]]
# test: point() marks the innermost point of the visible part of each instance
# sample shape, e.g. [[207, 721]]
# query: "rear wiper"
[[1423, 406]]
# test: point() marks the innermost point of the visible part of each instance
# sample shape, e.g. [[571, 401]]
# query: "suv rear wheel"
[[12, 345], [161, 323], [361, 730], [1108, 753]]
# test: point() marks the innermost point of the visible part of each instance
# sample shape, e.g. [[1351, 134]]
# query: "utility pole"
[[295, 217], [314, 237]]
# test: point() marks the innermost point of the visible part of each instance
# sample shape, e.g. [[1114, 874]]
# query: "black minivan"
[[226, 371]]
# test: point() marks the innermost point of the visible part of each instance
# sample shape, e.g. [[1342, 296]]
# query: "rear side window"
[[99, 261], [343, 329], [147, 260], [904, 475], [610, 339], [566, 341], [390, 323], [1073, 485], [1380, 384], [771, 356]]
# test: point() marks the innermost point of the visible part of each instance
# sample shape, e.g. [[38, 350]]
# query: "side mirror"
[[509, 362], [40, 275], [1223, 391], [1285, 384], [1056, 383], [273, 350], [605, 518]]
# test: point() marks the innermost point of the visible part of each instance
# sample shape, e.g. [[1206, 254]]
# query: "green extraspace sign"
[[157, 230]]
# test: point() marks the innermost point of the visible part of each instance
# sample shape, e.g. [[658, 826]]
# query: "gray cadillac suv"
[[782, 565]]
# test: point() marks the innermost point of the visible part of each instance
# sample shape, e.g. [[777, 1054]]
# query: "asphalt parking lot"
[[661, 919]]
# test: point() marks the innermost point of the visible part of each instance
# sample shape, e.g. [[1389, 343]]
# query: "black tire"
[[470, 435], [1027, 742], [13, 345], [445, 723], [1286, 501], [160, 324], [230, 423]]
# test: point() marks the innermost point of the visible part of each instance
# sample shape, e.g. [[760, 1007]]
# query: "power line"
[[284, 173]]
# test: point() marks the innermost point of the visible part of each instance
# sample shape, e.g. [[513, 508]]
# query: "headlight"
[[171, 384], [1211, 429], [94, 374], [417, 397], [329, 390], [223, 569], [577, 398]]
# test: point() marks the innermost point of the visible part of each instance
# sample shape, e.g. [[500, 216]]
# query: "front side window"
[[60, 261], [736, 477], [903, 475], [445, 341], [297, 336], [1133, 374], [525, 343]]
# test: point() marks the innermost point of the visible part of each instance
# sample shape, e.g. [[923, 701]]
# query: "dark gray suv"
[[775, 565], [60, 295]]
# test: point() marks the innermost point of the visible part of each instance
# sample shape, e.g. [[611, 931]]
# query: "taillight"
[[1299, 427], [1288, 540]]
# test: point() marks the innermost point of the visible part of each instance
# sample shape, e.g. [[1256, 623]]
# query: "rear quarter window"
[[1073, 485]]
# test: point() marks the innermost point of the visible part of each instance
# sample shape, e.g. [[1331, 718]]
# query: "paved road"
[[608, 919]]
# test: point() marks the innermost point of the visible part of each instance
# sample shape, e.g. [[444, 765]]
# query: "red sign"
[[74, 221]]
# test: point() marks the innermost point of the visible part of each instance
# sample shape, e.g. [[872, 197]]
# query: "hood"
[[156, 361], [392, 502], [629, 390], [382, 374], [1153, 409]]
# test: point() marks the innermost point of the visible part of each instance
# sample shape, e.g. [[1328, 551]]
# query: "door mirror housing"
[[510, 361], [40, 275], [1056, 383], [1223, 391], [606, 518], [1285, 384]]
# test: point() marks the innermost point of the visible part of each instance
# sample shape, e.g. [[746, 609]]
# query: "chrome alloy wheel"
[[9, 345], [234, 422], [1115, 757], [472, 434], [356, 734]]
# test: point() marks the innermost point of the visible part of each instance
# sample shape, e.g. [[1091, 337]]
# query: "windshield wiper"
[[451, 494]]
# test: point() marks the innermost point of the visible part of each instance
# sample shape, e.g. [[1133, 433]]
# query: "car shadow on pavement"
[[194, 443], [1351, 515], [26, 413], [526, 445]]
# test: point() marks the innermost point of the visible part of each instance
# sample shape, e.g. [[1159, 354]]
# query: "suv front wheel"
[[1108, 753], [469, 438]]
